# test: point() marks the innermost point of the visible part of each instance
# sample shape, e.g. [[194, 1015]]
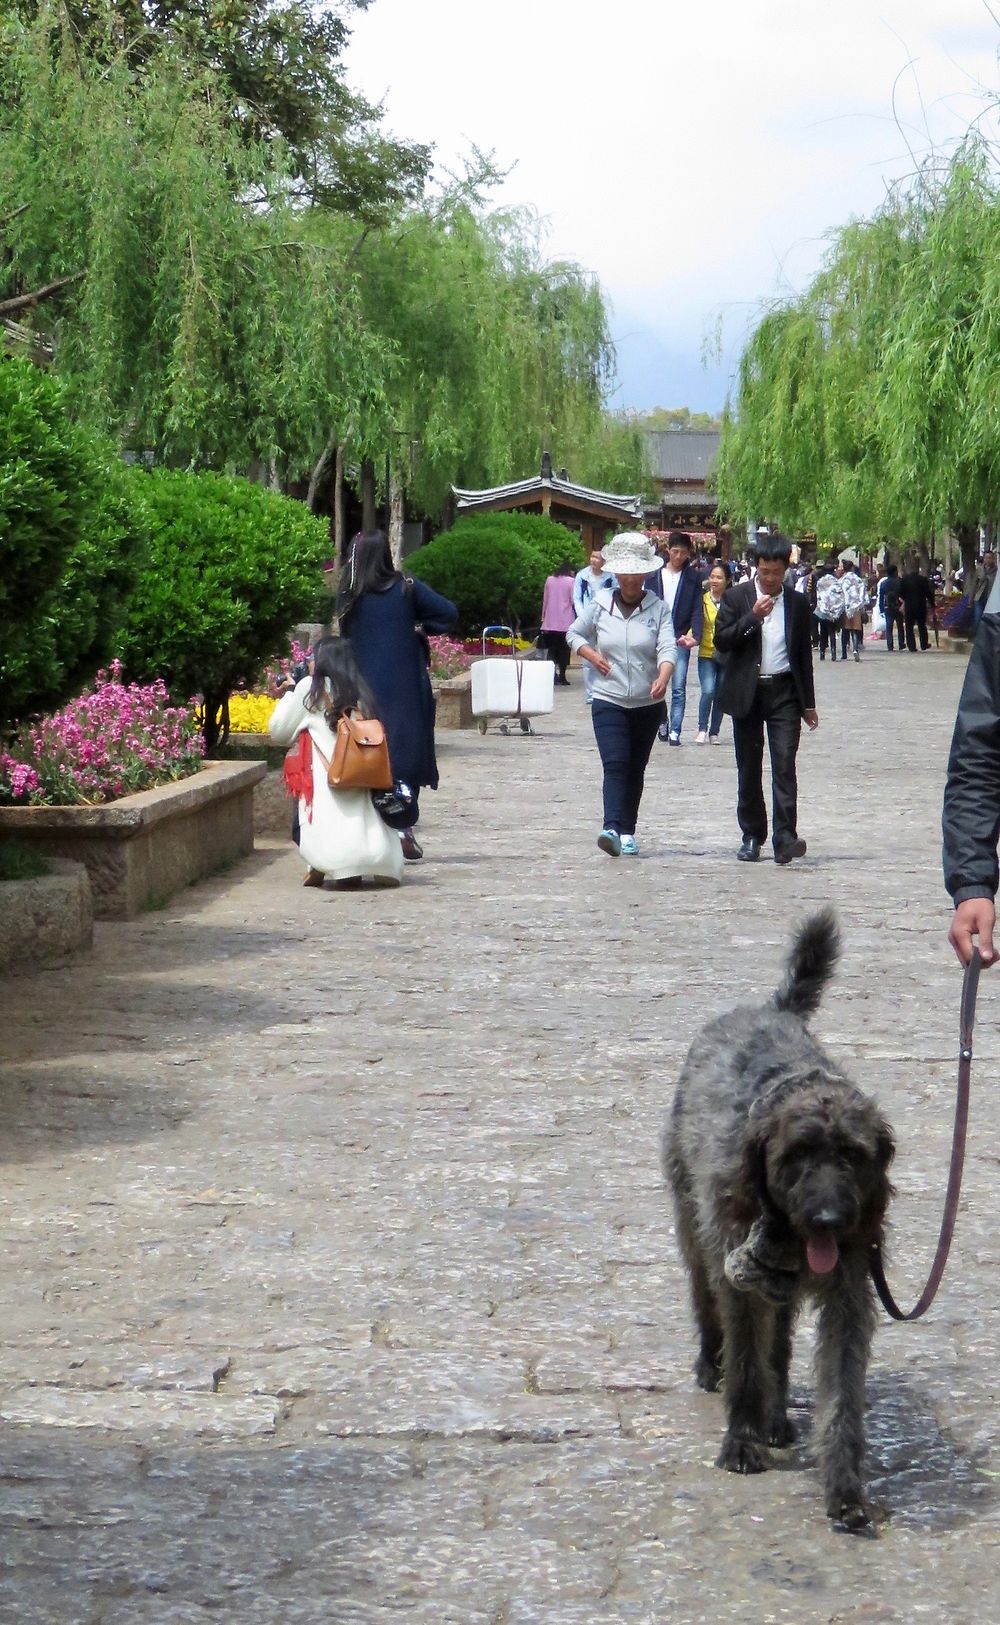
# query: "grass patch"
[[20, 863]]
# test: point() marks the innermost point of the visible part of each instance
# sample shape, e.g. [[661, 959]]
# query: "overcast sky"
[[692, 155]]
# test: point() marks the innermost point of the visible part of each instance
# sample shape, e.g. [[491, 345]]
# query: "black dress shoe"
[[790, 850], [749, 851]]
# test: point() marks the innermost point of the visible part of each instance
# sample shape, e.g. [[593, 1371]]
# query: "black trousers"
[[828, 638], [916, 626], [625, 739], [557, 649], [776, 710]]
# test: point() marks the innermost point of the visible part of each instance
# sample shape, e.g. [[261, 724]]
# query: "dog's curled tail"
[[811, 962]]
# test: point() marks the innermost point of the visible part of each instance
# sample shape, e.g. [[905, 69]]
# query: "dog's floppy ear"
[[753, 1164]]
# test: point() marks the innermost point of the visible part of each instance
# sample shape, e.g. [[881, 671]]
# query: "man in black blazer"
[[764, 632]]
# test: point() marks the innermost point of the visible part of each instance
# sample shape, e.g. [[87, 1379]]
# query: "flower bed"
[[111, 742]]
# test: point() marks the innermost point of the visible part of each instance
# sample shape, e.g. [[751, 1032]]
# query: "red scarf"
[[297, 771]]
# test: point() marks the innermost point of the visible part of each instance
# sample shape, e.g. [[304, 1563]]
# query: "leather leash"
[[967, 1017]]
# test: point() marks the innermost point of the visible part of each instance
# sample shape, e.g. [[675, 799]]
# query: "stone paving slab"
[[341, 1285]]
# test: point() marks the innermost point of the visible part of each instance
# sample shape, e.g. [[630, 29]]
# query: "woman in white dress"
[[341, 836]]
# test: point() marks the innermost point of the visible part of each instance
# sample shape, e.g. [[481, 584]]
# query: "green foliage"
[[680, 417], [71, 540], [281, 63], [231, 567], [867, 406], [162, 152], [487, 567], [18, 862]]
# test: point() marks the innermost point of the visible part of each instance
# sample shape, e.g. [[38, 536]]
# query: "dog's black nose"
[[828, 1218]]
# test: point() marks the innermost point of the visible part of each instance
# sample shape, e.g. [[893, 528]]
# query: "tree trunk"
[[320, 474], [367, 494], [967, 537], [339, 539], [215, 726], [396, 517]]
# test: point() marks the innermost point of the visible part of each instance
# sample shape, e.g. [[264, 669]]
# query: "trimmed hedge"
[[494, 566], [72, 540], [232, 567]]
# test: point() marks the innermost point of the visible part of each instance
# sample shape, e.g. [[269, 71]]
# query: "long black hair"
[[369, 568], [337, 684]]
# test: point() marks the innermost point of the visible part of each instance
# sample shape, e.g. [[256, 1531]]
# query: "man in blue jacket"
[[680, 587]]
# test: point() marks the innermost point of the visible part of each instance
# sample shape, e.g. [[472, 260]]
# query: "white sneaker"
[[714, 739], [630, 846], [701, 738]]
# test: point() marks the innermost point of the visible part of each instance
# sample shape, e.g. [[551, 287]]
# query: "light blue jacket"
[[637, 645]]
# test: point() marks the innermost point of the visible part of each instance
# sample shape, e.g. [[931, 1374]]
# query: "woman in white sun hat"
[[626, 634]]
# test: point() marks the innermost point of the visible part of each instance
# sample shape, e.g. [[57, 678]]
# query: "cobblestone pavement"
[[340, 1283]]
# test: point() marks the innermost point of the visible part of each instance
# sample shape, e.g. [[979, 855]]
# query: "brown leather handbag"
[[360, 757]]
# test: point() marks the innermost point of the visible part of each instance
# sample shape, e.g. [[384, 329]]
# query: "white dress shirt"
[[774, 650]]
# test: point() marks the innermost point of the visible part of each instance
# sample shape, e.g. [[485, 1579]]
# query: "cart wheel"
[[483, 724], [526, 727], [503, 728]]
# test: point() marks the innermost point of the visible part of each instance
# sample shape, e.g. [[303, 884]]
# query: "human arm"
[[434, 613], [290, 713], [666, 654], [697, 616], [734, 622], [971, 813], [582, 638]]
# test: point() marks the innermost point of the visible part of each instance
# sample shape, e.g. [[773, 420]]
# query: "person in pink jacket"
[[558, 615]]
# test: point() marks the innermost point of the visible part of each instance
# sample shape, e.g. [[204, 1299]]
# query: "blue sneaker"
[[630, 846], [610, 842]]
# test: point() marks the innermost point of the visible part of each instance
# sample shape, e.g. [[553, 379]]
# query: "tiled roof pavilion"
[[577, 506]]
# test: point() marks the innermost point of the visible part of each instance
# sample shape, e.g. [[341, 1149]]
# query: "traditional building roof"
[[548, 490], [684, 455]]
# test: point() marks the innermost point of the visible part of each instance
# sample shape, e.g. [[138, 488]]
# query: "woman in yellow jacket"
[[709, 715]]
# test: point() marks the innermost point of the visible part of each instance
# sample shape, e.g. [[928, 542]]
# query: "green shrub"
[[232, 567], [493, 566], [71, 543]]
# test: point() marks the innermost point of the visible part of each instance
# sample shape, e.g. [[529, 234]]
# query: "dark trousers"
[[828, 638], [776, 709], [557, 649], [850, 638], [916, 626], [894, 618], [624, 739]]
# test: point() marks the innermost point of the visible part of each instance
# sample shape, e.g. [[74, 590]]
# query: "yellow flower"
[[250, 713]]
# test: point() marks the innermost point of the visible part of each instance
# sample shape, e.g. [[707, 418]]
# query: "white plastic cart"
[[513, 691]]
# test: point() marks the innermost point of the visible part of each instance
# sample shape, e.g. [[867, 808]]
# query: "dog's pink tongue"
[[822, 1255]]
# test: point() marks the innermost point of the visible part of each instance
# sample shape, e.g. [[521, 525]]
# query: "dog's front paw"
[[781, 1431], [852, 1513], [743, 1455]]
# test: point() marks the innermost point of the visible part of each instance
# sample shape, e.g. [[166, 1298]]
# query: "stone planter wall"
[[142, 849], [45, 918], [454, 702]]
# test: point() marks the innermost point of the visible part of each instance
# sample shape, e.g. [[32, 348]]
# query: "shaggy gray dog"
[[769, 1138]]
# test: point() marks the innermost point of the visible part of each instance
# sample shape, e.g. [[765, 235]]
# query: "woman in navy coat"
[[380, 611]]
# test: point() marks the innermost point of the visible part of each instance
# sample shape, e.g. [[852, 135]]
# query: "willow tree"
[[207, 327], [866, 406]]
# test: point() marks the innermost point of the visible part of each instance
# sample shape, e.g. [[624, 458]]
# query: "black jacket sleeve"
[[734, 622], [971, 818]]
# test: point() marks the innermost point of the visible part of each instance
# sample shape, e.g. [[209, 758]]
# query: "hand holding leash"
[[967, 1016]]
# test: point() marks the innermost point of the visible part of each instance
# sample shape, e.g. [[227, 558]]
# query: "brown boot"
[[314, 877]]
